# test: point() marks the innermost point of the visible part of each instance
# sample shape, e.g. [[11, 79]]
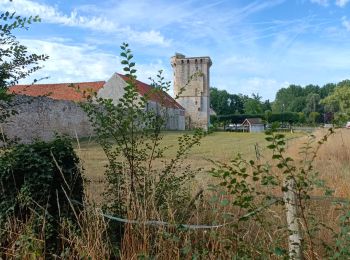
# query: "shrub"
[[131, 136], [38, 179]]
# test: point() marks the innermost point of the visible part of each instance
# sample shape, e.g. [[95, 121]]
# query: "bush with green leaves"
[[250, 187], [130, 135], [15, 61], [40, 179]]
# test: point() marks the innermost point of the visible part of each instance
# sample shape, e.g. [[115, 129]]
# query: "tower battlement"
[[191, 86]]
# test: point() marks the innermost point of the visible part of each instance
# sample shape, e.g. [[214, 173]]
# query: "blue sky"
[[256, 46]]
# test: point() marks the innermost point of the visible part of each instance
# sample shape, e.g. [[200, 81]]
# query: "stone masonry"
[[44, 110], [42, 117], [191, 87]]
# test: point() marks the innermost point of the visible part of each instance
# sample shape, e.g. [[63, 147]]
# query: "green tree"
[[219, 101], [266, 105], [253, 105], [297, 104], [268, 114], [312, 103], [327, 89], [285, 97], [225, 103], [236, 104], [308, 89], [15, 61], [339, 102], [314, 117], [301, 118], [130, 136]]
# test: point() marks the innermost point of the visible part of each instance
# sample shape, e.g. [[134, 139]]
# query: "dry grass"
[[257, 238], [219, 146]]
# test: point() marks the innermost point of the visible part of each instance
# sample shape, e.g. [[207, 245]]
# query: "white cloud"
[[50, 14], [341, 3], [72, 63], [244, 65], [320, 2], [346, 23], [79, 63], [266, 87], [145, 38]]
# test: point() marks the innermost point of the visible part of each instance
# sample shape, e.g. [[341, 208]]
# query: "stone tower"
[[191, 87]]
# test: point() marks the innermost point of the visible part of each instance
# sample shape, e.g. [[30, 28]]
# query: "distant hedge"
[[290, 117]]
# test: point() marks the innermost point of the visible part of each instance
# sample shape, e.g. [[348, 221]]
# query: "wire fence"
[[269, 203]]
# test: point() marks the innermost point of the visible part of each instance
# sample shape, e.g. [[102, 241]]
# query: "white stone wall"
[[113, 88], [174, 118]]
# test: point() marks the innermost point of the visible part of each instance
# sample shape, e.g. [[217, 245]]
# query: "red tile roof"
[[162, 98], [65, 91], [62, 91]]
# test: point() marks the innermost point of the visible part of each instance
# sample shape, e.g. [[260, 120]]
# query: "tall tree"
[[266, 105], [224, 103], [253, 105], [219, 101], [236, 104], [312, 103], [15, 61], [339, 102], [285, 97], [327, 89]]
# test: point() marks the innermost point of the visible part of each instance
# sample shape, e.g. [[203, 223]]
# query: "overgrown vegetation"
[[38, 183], [130, 135], [253, 209], [15, 61]]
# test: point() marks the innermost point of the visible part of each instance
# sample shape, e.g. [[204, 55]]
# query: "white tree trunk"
[[294, 239]]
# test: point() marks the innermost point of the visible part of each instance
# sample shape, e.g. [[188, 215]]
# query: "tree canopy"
[[15, 61], [312, 104]]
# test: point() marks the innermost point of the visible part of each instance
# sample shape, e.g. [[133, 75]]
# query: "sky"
[[256, 46]]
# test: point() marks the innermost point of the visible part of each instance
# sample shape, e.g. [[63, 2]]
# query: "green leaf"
[[276, 156], [224, 202], [280, 251], [271, 146]]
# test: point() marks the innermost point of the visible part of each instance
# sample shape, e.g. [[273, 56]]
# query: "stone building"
[[191, 86], [46, 109]]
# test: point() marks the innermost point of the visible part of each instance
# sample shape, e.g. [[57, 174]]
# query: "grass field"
[[257, 237], [332, 163], [218, 146]]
